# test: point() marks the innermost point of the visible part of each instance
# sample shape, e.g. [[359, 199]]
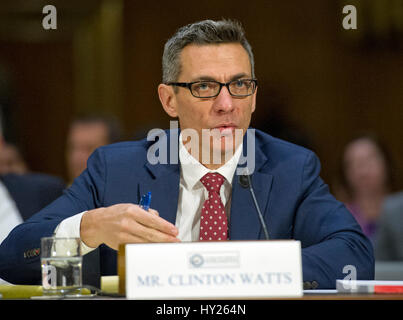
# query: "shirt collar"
[[192, 170]]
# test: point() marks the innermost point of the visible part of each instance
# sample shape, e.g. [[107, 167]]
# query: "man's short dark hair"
[[112, 125], [201, 33]]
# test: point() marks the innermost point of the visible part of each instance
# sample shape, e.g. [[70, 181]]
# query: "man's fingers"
[[154, 212], [153, 221], [153, 235], [131, 238], [144, 233], [128, 223]]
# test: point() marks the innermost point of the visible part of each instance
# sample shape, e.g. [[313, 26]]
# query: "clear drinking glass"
[[61, 261]]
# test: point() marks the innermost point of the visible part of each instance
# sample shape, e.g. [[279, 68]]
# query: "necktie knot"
[[212, 181]]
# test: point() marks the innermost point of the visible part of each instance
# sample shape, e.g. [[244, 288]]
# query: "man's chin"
[[220, 152]]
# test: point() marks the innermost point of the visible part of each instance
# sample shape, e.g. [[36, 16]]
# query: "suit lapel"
[[163, 182], [244, 220]]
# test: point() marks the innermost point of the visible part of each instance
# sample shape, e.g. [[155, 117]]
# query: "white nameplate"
[[228, 269]]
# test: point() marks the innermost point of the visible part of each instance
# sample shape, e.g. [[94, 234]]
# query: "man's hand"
[[125, 223]]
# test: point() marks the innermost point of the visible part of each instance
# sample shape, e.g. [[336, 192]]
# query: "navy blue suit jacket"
[[294, 200]]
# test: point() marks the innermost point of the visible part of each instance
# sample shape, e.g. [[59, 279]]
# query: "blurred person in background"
[[389, 238], [11, 159], [366, 180], [23, 194], [85, 135]]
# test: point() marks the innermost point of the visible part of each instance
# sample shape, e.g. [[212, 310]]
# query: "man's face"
[[11, 160], [365, 165], [223, 63], [83, 139]]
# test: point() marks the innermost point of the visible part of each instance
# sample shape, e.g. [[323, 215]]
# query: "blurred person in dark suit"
[[389, 239], [366, 180], [85, 135], [22, 195]]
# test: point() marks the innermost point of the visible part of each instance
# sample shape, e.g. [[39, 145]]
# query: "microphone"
[[246, 182]]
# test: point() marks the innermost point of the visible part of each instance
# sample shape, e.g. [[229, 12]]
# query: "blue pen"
[[145, 201]]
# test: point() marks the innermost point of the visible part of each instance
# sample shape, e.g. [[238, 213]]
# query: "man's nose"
[[224, 102]]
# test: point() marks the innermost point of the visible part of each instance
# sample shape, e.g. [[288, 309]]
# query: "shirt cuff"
[[70, 228]]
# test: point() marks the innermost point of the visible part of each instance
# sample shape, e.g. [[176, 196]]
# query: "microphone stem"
[[266, 233]]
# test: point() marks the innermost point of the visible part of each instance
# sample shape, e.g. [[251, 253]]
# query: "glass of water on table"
[[61, 261]]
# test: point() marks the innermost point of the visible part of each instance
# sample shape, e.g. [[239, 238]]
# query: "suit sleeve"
[[330, 236], [20, 251]]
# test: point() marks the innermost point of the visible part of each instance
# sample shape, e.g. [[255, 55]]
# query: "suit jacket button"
[[307, 285], [315, 284]]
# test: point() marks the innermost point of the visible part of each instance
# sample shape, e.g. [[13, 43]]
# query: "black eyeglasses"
[[211, 88]]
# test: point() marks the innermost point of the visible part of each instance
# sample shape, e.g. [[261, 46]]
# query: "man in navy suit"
[[209, 84]]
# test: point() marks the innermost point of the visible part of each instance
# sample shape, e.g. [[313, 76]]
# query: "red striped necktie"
[[213, 220]]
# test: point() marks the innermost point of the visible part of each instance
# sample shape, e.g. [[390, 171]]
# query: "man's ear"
[[168, 99]]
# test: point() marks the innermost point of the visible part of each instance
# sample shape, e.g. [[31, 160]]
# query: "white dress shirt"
[[192, 195], [10, 217]]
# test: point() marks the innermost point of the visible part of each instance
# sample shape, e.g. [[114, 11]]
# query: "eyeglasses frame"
[[189, 86]]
